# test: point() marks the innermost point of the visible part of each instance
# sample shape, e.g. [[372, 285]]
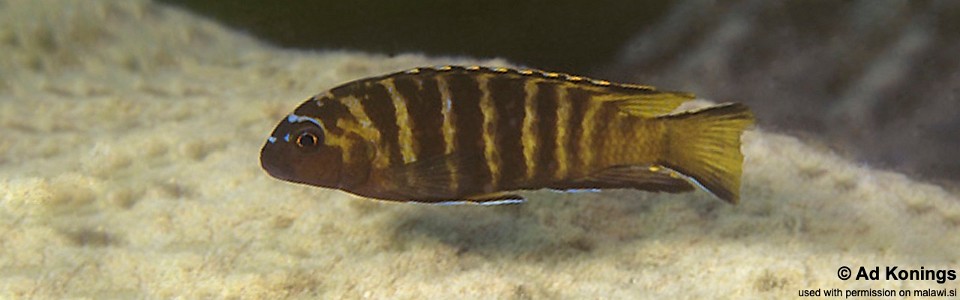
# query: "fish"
[[482, 135]]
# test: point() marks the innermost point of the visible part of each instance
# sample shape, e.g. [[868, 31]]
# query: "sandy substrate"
[[130, 132]]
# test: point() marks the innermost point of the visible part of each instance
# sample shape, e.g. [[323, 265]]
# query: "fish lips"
[[273, 160], [288, 164]]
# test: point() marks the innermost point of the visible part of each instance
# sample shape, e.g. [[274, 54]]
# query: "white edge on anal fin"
[[464, 202]]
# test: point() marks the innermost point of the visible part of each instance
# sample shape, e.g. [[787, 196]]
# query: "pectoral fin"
[[433, 181], [427, 180]]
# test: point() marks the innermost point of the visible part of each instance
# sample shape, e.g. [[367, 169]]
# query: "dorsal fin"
[[650, 105], [620, 88], [635, 100]]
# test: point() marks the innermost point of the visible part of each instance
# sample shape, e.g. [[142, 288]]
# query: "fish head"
[[301, 150]]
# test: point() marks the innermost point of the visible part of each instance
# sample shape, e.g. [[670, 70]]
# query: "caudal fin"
[[705, 145]]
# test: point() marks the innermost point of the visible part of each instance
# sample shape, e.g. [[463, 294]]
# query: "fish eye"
[[308, 140]]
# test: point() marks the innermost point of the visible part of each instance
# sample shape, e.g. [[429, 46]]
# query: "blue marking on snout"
[[293, 118]]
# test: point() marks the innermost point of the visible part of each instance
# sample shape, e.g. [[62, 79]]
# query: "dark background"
[[877, 81], [575, 36]]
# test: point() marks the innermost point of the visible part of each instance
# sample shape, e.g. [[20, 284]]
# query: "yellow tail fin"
[[705, 145]]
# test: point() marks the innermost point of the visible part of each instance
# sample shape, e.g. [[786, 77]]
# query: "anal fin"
[[497, 198], [651, 178]]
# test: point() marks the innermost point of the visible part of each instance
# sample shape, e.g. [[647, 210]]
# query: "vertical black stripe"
[[424, 110], [349, 89], [330, 111], [578, 107], [465, 94], [378, 105], [508, 97], [547, 131], [308, 108]]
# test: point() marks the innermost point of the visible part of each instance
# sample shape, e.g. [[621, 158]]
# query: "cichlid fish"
[[478, 135]]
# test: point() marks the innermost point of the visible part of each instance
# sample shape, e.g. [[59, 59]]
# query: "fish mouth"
[[272, 162]]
